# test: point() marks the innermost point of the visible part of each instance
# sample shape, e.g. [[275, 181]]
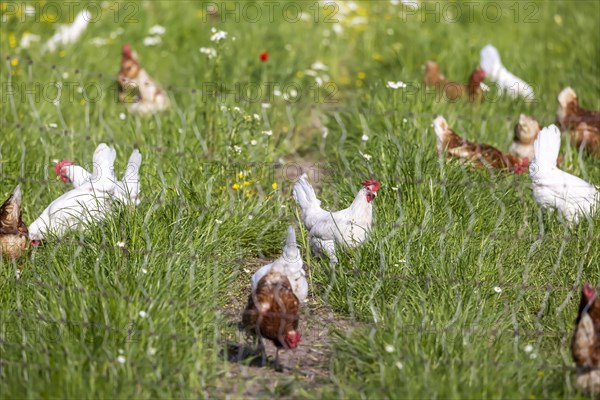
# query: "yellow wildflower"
[[377, 57], [359, 83], [361, 75], [274, 185], [246, 183], [299, 74], [14, 62], [236, 186], [12, 40], [240, 175], [62, 54]]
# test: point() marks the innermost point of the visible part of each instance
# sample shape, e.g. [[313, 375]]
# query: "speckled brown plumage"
[[13, 232], [273, 310], [454, 90], [583, 125], [478, 154], [585, 345]]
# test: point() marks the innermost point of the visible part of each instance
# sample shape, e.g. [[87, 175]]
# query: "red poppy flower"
[[264, 56]]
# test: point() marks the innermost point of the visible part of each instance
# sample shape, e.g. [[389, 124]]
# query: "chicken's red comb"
[[589, 292], [127, 51], [61, 164], [371, 182]]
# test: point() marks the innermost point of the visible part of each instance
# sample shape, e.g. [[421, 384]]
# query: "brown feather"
[[13, 232], [480, 155], [585, 346], [272, 310], [584, 125]]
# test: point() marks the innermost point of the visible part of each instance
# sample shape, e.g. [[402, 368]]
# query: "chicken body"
[[585, 344], [148, 97], [480, 155], [84, 204], [13, 232], [526, 131], [330, 230], [127, 190], [491, 63], [553, 188], [454, 90], [289, 264], [584, 125], [273, 312]]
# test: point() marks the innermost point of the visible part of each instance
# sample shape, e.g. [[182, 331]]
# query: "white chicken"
[[552, 188], [67, 34], [328, 230], [492, 65], [290, 265], [84, 204], [127, 190]]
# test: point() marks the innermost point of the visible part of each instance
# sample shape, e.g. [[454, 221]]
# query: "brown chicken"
[[584, 125], [585, 344], [454, 90], [272, 313], [13, 232], [526, 131], [136, 88], [480, 155]]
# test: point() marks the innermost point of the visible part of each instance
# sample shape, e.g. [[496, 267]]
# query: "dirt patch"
[[304, 369]]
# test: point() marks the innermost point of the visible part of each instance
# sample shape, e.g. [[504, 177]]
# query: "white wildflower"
[[121, 351], [395, 189], [121, 244], [237, 149], [319, 66], [319, 81], [265, 105], [533, 356], [223, 108], [143, 314], [218, 221], [310, 72], [65, 75], [218, 35], [337, 28], [151, 351], [359, 20], [528, 348], [268, 133], [253, 142], [122, 116], [250, 216], [52, 125], [144, 271], [389, 348], [498, 289], [364, 138], [157, 30], [121, 359], [152, 40], [366, 156], [396, 85], [237, 110], [399, 365], [256, 117], [209, 51]]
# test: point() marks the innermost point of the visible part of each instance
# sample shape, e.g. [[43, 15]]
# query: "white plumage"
[[127, 190], [289, 264], [82, 205], [67, 34], [573, 197], [491, 63], [328, 230]]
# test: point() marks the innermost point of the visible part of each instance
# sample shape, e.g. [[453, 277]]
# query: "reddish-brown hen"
[[13, 232], [584, 125], [272, 313], [480, 155], [454, 90], [585, 345]]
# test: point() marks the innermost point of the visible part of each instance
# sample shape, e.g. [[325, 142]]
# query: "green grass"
[[430, 323]]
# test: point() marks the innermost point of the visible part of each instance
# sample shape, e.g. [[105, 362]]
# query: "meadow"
[[466, 289]]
